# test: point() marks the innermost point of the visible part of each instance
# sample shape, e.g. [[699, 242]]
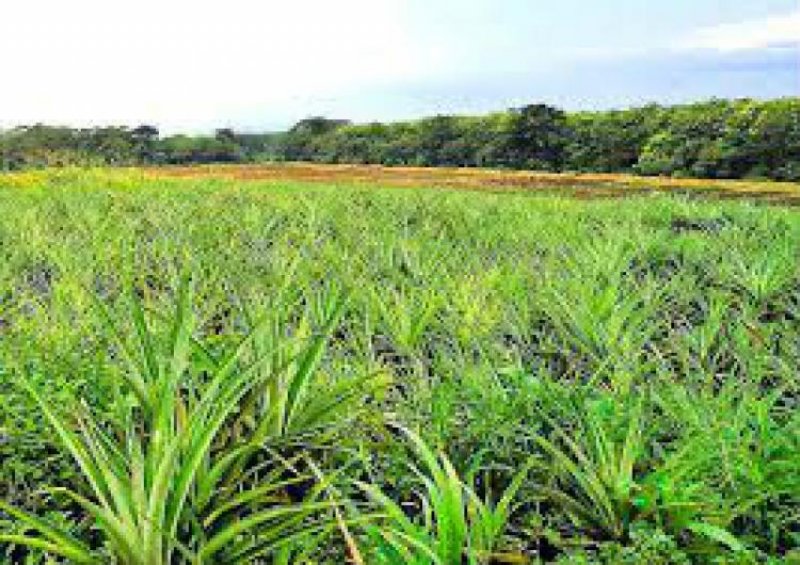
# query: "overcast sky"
[[194, 65]]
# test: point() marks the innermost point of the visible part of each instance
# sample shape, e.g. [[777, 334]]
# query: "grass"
[[206, 370]]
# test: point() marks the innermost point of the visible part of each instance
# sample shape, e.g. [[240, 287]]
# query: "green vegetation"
[[714, 139], [211, 371]]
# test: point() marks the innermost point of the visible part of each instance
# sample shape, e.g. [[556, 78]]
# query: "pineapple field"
[[309, 365]]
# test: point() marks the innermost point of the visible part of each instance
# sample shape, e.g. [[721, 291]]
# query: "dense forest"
[[712, 139]]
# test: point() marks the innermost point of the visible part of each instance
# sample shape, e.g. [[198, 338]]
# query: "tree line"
[[711, 139]]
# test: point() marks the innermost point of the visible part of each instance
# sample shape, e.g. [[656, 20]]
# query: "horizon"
[[188, 68]]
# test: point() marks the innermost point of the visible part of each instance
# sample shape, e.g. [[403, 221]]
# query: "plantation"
[[213, 370]]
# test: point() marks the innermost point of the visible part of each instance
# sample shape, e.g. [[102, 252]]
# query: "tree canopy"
[[711, 139]]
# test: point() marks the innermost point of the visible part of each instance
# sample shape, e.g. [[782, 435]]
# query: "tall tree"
[[537, 137]]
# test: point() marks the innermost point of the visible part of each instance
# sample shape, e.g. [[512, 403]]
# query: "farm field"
[[301, 364], [481, 179]]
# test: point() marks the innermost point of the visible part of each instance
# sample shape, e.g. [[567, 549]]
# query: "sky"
[[258, 65]]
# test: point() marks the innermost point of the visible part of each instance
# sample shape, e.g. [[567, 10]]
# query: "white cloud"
[[192, 64], [773, 31]]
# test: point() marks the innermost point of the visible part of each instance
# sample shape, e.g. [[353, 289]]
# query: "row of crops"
[[213, 371]]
